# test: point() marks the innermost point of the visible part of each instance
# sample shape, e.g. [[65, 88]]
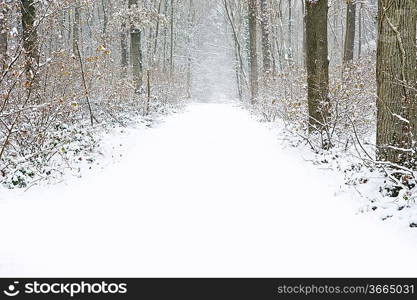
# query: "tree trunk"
[[253, 56], [350, 31], [105, 19], [135, 52], [76, 28], [396, 81], [266, 43], [164, 52], [290, 50], [30, 38], [317, 64], [172, 40], [304, 33], [156, 34], [189, 52], [360, 31], [123, 45], [3, 34]]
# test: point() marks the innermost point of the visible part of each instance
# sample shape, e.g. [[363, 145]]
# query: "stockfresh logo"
[[12, 289]]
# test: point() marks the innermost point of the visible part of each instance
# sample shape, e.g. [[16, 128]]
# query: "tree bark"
[[304, 34], [165, 47], [290, 50], [172, 40], [156, 33], [189, 52], [76, 28], [396, 81], [135, 52], [350, 31], [30, 38], [317, 64], [266, 43], [3, 34], [360, 31], [123, 45], [253, 51]]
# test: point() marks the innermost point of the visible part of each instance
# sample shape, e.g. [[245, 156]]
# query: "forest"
[[255, 106]]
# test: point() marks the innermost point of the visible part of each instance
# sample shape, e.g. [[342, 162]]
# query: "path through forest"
[[209, 192]]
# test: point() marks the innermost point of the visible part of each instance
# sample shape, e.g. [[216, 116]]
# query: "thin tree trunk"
[[164, 53], [105, 21], [135, 52], [76, 28], [253, 51], [290, 50], [157, 32], [350, 31], [69, 31], [266, 43], [237, 72], [3, 34], [172, 40], [30, 38], [123, 45], [304, 34], [360, 31], [189, 59], [229, 14]]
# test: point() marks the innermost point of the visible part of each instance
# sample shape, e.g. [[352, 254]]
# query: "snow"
[[209, 192]]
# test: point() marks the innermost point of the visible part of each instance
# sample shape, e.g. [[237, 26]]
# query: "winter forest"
[[208, 137]]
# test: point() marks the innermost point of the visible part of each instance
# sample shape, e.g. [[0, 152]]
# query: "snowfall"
[[209, 191]]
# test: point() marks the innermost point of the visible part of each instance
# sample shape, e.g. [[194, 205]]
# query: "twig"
[[84, 83]]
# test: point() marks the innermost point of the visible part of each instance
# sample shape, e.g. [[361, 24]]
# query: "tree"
[[253, 50], [157, 32], [266, 43], [135, 51], [172, 40], [317, 64], [123, 47], [189, 55], [123, 44], [396, 81], [30, 38], [360, 30], [350, 31], [76, 28], [239, 65], [3, 33], [290, 46]]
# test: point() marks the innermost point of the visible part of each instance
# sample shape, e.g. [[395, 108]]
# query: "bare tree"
[[290, 33], [253, 50], [3, 33], [172, 39]]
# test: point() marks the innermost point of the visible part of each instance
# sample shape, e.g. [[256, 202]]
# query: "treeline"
[[354, 63], [70, 64]]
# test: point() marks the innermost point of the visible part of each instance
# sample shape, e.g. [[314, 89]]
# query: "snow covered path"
[[210, 192]]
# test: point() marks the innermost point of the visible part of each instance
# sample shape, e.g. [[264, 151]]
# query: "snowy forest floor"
[[208, 192]]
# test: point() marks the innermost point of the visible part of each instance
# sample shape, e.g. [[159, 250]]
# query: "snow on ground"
[[210, 192]]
